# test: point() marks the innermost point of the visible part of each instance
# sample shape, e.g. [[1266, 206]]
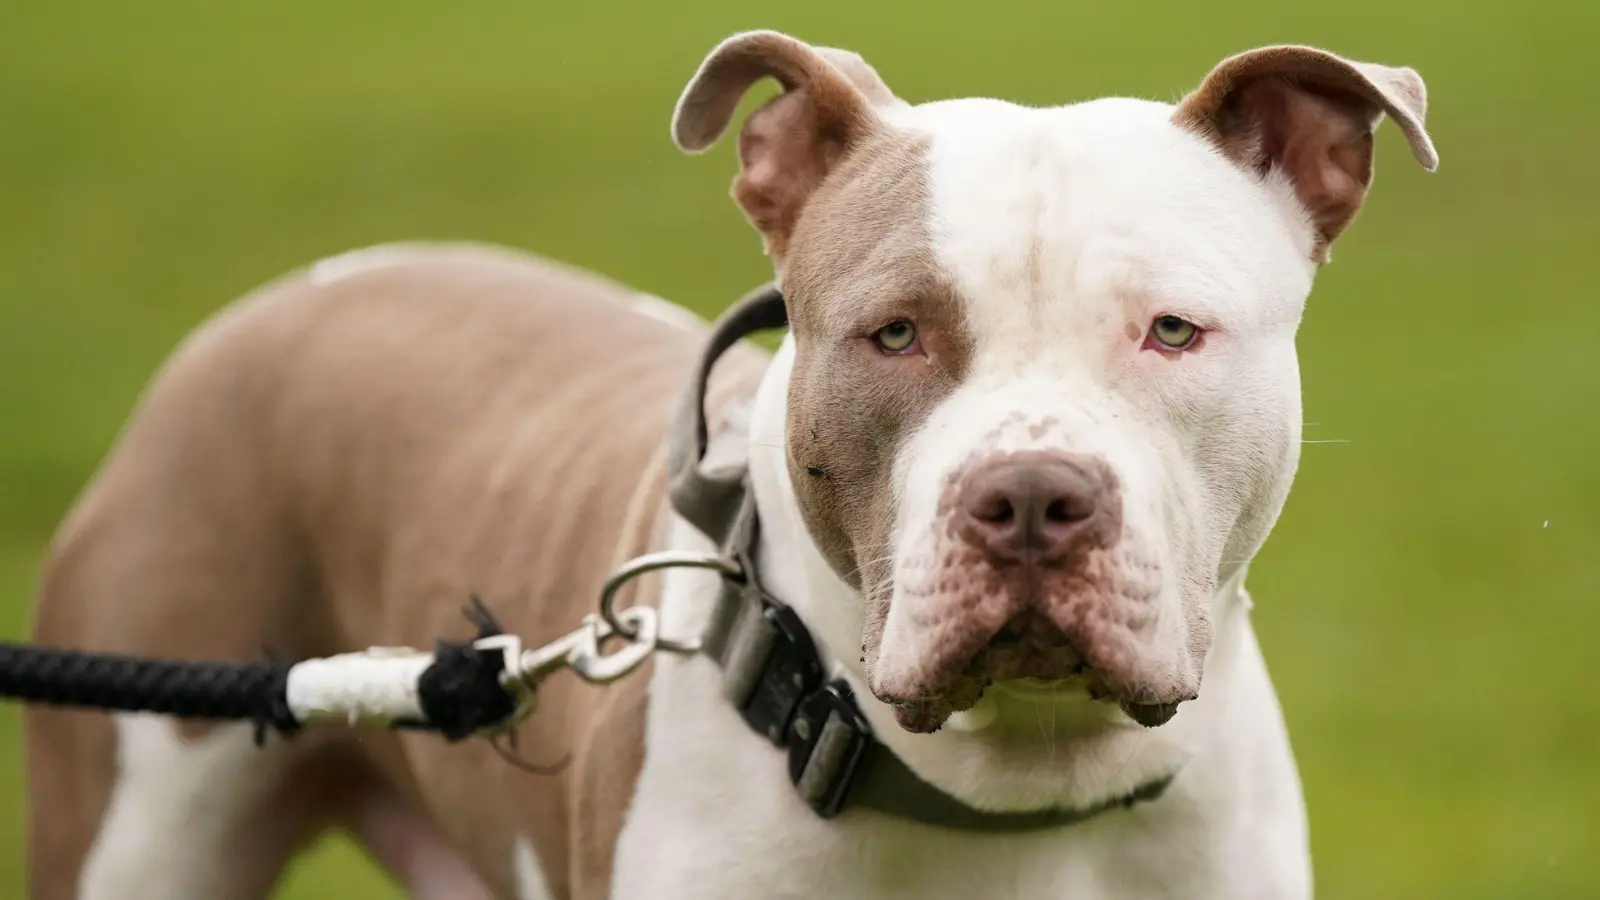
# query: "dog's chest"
[[693, 832], [715, 817]]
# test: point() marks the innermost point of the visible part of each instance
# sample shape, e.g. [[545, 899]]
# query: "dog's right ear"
[[787, 147]]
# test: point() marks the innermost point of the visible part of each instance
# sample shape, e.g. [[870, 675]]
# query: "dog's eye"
[[1174, 333], [896, 337]]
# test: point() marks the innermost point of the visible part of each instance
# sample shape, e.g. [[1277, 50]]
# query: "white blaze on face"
[[1066, 232]]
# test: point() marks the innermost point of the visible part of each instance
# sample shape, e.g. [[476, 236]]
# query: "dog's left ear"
[[1309, 114]]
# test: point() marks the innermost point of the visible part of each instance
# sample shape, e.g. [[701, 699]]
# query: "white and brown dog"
[[1038, 408]]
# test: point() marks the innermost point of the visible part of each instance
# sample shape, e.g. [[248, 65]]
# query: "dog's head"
[[1044, 397]]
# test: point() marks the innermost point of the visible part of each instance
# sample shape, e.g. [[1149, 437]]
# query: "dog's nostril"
[[990, 506], [998, 511], [1068, 509], [1057, 511]]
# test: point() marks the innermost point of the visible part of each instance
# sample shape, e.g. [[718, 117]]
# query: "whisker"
[[1052, 754], [1049, 744], [870, 562], [1138, 744]]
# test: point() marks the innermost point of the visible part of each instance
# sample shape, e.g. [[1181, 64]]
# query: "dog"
[[1037, 408]]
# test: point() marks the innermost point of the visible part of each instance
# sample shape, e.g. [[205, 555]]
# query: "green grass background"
[[1428, 603]]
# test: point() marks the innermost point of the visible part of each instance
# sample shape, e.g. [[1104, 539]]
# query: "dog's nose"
[[1029, 507]]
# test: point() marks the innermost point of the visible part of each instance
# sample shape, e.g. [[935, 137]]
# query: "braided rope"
[[459, 692], [204, 690]]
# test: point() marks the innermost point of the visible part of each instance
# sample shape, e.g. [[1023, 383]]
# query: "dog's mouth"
[[1041, 688], [1029, 657]]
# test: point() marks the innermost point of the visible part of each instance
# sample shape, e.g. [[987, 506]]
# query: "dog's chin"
[[1020, 677], [1062, 690], [991, 670], [1069, 702]]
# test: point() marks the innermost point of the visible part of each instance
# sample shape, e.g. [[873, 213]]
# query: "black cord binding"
[[460, 692]]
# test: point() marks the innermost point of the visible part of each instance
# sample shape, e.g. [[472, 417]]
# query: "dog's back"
[[338, 461]]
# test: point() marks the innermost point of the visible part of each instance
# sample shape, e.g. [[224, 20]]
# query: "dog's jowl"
[[1037, 410]]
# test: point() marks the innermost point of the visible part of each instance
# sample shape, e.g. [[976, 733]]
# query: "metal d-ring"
[[650, 562], [586, 660]]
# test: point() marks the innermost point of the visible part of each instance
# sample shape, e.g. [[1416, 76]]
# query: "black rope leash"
[[255, 692], [459, 692]]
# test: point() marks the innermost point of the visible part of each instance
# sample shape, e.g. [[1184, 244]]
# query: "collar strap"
[[771, 670]]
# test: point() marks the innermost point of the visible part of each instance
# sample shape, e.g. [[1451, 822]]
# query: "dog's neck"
[[1010, 751]]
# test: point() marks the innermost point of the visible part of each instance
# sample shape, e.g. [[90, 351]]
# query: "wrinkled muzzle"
[[1029, 570]]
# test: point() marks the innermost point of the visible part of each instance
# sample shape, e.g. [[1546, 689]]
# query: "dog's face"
[[1044, 396]]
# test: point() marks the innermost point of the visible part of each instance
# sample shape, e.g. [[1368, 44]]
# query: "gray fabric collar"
[[771, 671]]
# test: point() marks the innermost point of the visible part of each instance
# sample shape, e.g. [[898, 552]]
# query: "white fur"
[[1067, 232], [1136, 219], [342, 266], [525, 872], [668, 312], [169, 830], [364, 259]]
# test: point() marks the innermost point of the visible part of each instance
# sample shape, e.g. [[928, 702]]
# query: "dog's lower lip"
[[1150, 715]]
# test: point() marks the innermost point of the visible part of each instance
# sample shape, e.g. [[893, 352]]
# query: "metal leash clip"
[[578, 650], [523, 670]]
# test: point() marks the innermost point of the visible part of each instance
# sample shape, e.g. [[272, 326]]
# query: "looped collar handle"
[[708, 494]]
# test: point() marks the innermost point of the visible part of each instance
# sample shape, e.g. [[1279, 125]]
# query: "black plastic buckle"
[[792, 670], [833, 703]]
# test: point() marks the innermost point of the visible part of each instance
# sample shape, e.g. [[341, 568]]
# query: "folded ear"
[[787, 147], [1309, 114]]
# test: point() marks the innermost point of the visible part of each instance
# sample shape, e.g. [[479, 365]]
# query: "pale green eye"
[[1174, 333], [896, 337]]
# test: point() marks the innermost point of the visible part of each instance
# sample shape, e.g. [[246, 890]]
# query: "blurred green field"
[[1429, 599]]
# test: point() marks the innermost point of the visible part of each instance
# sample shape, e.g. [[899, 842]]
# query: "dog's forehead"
[[1056, 221]]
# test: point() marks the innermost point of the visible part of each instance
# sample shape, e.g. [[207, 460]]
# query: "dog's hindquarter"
[[366, 445]]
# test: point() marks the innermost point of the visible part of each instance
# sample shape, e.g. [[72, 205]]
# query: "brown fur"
[[861, 261], [324, 468], [844, 215], [789, 146]]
